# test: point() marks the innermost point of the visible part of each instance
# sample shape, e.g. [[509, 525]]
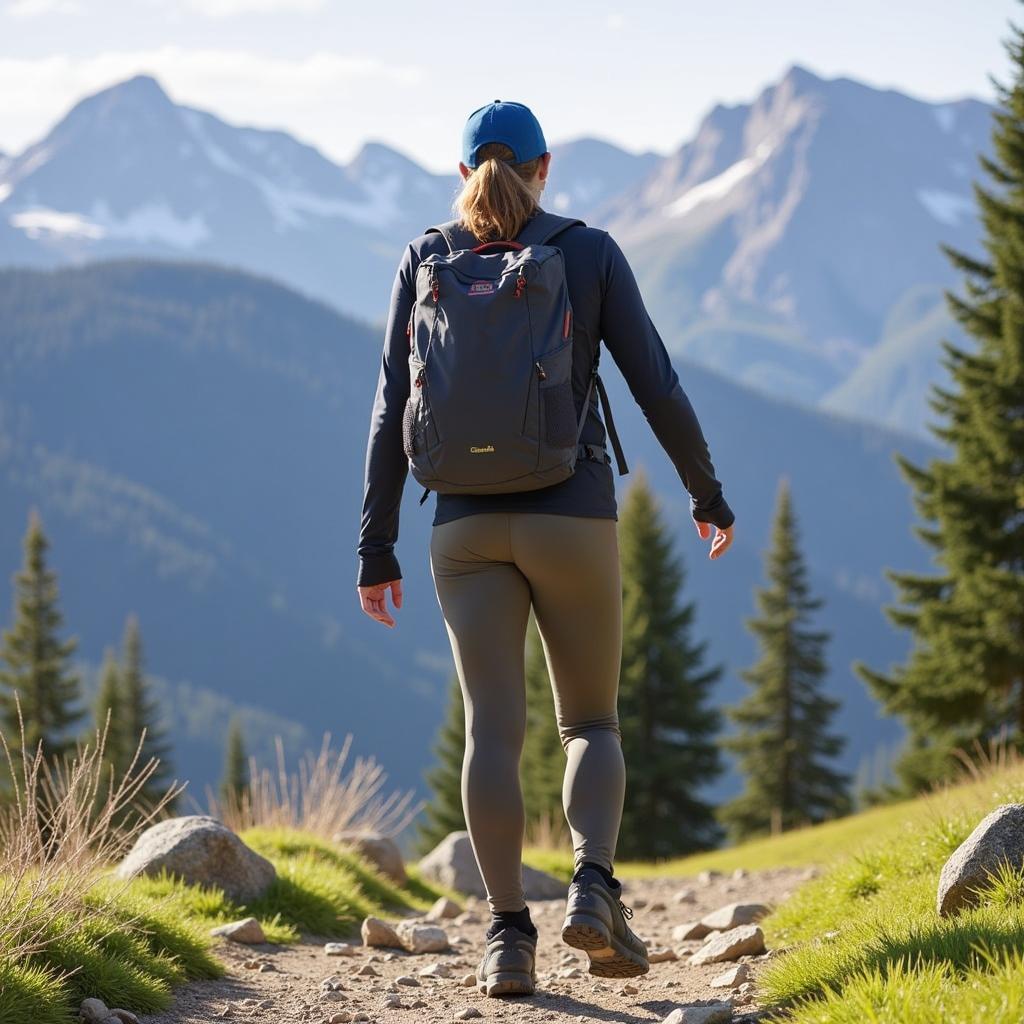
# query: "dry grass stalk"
[[986, 760], [319, 798], [549, 832], [61, 827]]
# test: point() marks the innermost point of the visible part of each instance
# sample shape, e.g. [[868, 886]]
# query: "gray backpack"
[[490, 406]]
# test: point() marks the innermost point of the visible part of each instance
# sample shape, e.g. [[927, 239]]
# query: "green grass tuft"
[[29, 994]]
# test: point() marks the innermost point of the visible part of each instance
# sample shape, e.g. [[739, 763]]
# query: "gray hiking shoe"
[[595, 921], [508, 966]]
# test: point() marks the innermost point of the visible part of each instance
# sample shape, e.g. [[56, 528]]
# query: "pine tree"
[[963, 679], [142, 712], [444, 814], [117, 750], [667, 727], [235, 784], [543, 763], [783, 744], [37, 675]]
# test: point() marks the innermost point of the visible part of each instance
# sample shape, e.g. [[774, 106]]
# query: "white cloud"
[[230, 8], [40, 8], [615, 22], [320, 97]]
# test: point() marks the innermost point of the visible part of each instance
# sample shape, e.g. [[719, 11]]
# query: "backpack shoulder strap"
[[543, 226], [539, 230], [455, 236]]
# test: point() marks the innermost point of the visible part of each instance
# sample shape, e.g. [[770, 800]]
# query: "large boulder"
[[452, 864], [380, 850], [200, 851], [998, 839]]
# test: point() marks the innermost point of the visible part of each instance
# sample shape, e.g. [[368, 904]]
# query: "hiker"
[[489, 359]]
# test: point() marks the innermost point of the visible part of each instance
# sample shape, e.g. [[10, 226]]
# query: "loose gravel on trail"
[[289, 984]]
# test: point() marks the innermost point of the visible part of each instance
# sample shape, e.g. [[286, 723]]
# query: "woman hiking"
[[552, 545]]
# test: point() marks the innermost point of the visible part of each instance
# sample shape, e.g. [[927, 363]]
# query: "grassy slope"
[[801, 847], [868, 944], [154, 933], [865, 944]]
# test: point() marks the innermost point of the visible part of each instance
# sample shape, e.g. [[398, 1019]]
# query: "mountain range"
[[194, 436], [792, 244]]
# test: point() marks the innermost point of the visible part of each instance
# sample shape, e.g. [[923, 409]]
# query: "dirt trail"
[[289, 992]]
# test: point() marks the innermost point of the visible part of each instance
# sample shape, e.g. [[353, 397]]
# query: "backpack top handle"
[[509, 245]]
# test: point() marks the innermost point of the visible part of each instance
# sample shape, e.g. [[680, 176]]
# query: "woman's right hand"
[[723, 538], [372, 600]]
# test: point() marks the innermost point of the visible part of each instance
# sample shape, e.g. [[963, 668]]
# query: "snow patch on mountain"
[[193, 120], [291, 205], [721, 184], [152, 222], [946, 207], [33, 161], [288, 205], [40, 222]]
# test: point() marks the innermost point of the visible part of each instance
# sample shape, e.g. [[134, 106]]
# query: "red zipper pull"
[[434, 287], [419, 377], [520, 285]]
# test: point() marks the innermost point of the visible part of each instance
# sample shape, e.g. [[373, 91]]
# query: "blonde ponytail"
[[495, 201]]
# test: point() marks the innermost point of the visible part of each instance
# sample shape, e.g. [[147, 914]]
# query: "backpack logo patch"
[[481, 288]]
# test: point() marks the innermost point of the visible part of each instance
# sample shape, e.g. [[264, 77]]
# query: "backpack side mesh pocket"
[[409, 426], [559, 415]]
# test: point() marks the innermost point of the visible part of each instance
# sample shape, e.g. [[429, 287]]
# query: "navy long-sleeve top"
[[607, 306]]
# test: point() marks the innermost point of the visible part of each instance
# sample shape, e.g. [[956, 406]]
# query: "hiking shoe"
[[508, 966], [595, 921]]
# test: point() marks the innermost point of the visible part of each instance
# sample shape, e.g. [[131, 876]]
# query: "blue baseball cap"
[[507, 122]]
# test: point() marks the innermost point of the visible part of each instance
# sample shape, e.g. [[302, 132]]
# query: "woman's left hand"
[[722, 541], [372, 600]]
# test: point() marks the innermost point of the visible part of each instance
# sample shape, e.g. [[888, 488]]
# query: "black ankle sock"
[[601, 870], [517, 918]]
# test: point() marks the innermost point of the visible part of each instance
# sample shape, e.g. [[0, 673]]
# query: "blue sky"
[[408, 73]]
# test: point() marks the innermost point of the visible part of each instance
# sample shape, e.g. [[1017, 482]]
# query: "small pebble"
[[660, 954], [437, 970], [339, 949]]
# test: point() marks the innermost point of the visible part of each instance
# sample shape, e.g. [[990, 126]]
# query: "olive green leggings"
[[487, 569]]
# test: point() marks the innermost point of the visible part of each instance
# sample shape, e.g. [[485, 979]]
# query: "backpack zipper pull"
[[435, 290], [419, 377], [540, 371], [520, 285]]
